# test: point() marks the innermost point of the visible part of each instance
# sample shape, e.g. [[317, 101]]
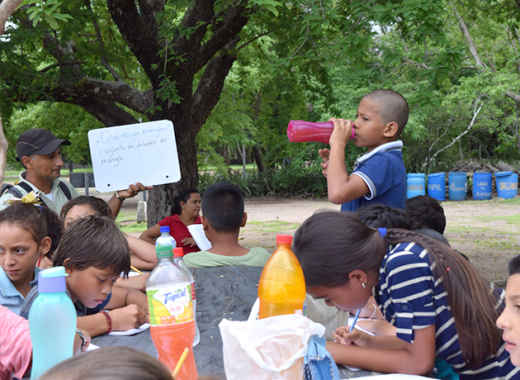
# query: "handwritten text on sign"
[[124, 155]]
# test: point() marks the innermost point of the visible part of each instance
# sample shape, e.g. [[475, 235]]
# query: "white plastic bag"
[[269, 348]]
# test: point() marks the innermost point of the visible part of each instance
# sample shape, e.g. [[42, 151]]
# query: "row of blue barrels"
[[506, 185]]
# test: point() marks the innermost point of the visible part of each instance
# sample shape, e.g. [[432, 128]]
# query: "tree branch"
[[234, 19], [210, 86], [512, 95], [104, 61], [467, 36], [119, 92], [141, 33], [476, 110], [7, 8]]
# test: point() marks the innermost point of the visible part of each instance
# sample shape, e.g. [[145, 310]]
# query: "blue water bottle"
[[52, 322]]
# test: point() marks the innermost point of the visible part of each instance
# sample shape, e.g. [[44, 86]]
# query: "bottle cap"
[[178, 252], [283, 239], [164, 229], [52, 280]]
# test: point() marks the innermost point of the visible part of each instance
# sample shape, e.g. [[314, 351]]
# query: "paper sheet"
[[197, 232], [141, 328]]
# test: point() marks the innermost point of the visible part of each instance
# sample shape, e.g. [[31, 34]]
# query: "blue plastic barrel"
[[436, 184], [414, 184], [507, 184], [482, 185], [457, 186]]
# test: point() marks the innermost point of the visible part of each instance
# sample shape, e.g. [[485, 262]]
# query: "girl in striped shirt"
[[439, 304]]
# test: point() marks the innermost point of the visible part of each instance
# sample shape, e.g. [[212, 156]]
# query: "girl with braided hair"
[[439, 304]]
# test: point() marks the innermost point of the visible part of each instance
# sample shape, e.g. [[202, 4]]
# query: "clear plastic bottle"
[[172, 320], [282, 285], [52, 322], [178, 254], [165, 241]]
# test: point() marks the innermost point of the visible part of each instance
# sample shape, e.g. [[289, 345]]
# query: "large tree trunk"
[[160, 202]]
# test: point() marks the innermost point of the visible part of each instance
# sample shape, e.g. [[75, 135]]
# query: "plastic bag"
[[269, 348]]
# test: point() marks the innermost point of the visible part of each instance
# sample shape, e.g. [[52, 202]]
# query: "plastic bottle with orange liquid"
[[282, 285], [172, 320]]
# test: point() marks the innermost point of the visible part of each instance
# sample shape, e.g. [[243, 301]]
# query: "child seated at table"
[[113, 363], [223, 215], [94, 253], [427, 216], [509, 320], [439, 303], [24, 241], [16, 347], [142, 253]]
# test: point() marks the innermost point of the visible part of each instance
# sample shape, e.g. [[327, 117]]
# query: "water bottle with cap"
[[165, 241], [178, 254], [52, 322], [309, 131]]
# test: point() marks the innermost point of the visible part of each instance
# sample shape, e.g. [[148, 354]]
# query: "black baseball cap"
[[38, 141]]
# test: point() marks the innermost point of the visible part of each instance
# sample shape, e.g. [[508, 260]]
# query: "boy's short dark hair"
[[426, 211], [99, 206], [379, 215], [514, 265], [93, 241], [223, 207], [394, 107]]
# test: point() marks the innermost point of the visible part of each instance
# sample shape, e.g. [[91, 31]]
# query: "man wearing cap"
[[39, 152]]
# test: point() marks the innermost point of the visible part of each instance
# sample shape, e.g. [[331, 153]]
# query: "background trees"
[[230, 74]]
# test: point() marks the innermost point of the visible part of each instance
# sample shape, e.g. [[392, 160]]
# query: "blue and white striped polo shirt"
[[411, 298]]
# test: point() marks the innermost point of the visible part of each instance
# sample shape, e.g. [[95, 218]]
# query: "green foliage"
[[295, 178]]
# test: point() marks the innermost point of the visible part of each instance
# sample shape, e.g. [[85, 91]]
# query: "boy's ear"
[[358, 276], [45, 245], [205, 223], [66, 264], [244, 219], [391, 129]]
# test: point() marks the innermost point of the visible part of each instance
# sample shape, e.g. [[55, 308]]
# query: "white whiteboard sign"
[[127, 154]]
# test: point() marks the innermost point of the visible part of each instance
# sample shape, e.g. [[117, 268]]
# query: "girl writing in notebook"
[[439, 304]]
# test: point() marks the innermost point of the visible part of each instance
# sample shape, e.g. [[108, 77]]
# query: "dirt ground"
[[484, 230]]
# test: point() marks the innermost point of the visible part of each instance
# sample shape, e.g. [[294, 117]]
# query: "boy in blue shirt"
[[379, 176]]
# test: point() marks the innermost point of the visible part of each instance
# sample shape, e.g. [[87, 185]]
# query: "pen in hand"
[[356, 317]]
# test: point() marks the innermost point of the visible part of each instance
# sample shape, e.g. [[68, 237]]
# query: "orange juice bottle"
[[282, 285]]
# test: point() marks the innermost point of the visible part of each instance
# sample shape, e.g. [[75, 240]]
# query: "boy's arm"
[[341, 186], [390, 354], [124, 318]]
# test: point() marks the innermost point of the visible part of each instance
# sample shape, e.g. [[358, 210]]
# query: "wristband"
[[119, 196], [109, 320], [82, 338]]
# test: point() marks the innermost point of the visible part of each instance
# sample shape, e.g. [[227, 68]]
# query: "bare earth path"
[[486, 231]]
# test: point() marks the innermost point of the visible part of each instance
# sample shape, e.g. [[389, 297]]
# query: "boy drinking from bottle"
[[378, 176]]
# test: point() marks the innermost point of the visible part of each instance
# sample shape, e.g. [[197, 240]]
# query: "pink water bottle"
[[308, 131]]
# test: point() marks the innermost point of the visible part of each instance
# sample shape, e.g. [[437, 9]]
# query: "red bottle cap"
[[178, 252], [283, 239]]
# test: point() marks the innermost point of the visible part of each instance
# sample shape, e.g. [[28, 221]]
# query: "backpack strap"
[[27, 188], [65, 189], [11, 189]]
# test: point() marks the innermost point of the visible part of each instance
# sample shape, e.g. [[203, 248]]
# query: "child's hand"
[[342, 131], [356, 337], [189, 241], [128, 317], [324, 154]]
